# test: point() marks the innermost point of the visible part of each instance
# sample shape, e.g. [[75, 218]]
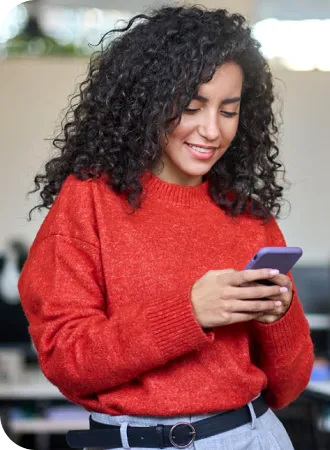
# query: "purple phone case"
[[281, 258]]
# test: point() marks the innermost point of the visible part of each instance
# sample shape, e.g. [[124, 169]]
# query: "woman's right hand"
[[223, 297]]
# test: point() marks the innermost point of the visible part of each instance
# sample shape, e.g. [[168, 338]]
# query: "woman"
[[134, 288]]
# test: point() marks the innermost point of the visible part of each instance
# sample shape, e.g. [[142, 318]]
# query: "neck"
[[173, 176]]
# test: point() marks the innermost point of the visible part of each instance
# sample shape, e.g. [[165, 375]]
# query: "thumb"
[[219, 272]]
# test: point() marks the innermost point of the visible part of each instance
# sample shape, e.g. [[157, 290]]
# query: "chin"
[[198, 171]]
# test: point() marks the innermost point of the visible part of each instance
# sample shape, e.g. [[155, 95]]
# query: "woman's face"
[[207, 128]]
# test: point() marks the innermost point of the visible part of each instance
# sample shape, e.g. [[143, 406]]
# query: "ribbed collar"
[[154, 187]]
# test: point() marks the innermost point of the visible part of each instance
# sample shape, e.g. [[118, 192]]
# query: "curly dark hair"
[[148, 69]]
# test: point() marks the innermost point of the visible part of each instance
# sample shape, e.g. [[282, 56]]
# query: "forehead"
[[227, 79]]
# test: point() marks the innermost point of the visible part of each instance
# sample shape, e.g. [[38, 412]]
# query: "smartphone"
[[281, 258]]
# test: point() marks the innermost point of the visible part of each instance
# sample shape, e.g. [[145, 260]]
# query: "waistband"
[[179, 435]]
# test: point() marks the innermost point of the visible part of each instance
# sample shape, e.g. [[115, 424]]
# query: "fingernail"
[[278, 303], [284, 289], [274, 272]]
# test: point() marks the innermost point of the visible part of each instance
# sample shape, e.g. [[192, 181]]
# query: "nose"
[[210, 128]]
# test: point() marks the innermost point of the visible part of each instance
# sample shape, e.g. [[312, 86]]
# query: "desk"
[[26, 391], [318, 321], [317, 394], [320, 389], [34, 387], [38, 426]]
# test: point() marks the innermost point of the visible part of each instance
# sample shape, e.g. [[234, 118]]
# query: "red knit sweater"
[[107, 296]]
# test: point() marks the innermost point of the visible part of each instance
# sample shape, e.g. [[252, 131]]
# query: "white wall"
[[306, 153], [245, 7], [33, 92]]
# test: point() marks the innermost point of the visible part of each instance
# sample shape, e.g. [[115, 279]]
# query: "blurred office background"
[[44, 52]]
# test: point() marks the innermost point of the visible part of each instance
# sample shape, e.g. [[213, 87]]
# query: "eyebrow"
[[226, 101]]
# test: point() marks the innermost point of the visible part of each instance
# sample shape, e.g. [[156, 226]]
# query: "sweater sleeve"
[[81, 348], [284, 348]]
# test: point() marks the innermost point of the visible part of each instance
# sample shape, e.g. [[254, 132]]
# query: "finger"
[[281, 280], [259, 291], [253, 283], [267, 318], [246, 276], [243, 317], [252, 306], [221, 272], [283, 297]]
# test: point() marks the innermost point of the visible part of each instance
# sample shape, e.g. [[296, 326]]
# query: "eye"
[[229, 114], [191, 110]]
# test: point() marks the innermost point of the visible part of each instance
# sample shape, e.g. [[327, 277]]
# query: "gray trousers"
[[263, 433]]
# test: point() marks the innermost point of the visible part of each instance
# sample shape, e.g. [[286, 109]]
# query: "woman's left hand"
[[285, 298]]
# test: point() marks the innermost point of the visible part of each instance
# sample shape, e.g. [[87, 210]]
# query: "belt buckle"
[[192, 433]]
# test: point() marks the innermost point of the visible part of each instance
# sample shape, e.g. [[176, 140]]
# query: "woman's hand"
[[285, 298], [223, 297]]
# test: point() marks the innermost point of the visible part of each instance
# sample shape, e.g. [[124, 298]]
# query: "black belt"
[[180, 435]]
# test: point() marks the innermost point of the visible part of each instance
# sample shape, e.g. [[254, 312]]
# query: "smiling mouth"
[[199, 149]]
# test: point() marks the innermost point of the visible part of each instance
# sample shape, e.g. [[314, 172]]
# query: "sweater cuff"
[[288, 333], [175, 327]]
